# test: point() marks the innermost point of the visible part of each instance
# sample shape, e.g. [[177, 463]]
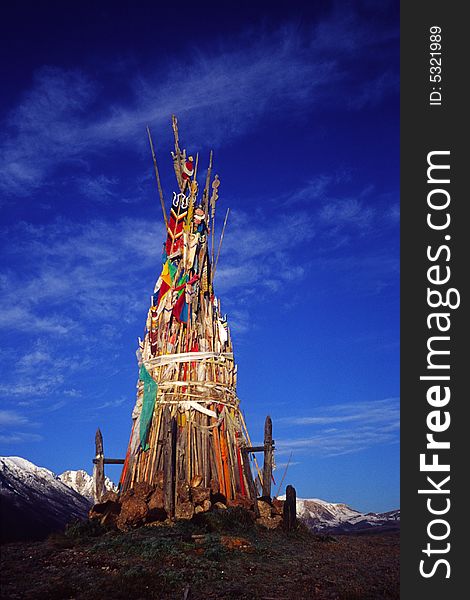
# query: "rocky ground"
[[220, 555]]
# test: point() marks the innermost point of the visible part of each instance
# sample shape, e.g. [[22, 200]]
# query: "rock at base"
[[133, 513], [109, 495], [105, 512], [184, 510], [269, 522], [199, 494], [242, 501], [182, 491], [156, 500], [264, 509], [143, 490]]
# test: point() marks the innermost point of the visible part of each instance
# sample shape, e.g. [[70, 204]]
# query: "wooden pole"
[[170, 464], [283, 476], [98, 468], [290, 509], [213, 200], [205, 452], [268, 457], [205, 195], [220, 243], [157, 175], [174, 124], [249, 478]]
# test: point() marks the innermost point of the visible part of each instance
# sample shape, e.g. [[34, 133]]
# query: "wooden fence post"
[[98, 469], [249, 479], [268, 457], [290, 509], [170, 465]]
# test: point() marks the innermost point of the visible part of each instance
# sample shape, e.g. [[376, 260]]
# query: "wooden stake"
[[249, 478], [220, 243], [157, 175], [268, 457], [205, 453], [213, 200], [179, 177], [205, 195], [98, 469], [290, 509], [170, 464], [192, 198], [283, 476]]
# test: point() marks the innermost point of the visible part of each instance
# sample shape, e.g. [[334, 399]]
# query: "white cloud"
[[357, 426], [378, 411], [35, 387], [19, 437], [57, 121], [10, 422], [112, 403], [11, 418]]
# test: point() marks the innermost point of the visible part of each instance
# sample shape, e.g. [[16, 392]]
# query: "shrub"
[[84, 529]]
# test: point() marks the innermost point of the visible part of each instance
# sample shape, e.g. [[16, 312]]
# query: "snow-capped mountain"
[[320, 515], [82, 483], [34, 501]]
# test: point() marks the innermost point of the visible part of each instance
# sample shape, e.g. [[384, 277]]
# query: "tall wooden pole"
[[98, 469], [170, 464], [268, 457], [220, 244], [157, 175], [249, 479], [205, 195]]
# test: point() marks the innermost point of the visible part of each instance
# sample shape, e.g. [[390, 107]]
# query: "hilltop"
[[223, 555]]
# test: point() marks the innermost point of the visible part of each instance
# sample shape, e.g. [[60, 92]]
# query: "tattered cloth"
[[148, 404], [166, 359]]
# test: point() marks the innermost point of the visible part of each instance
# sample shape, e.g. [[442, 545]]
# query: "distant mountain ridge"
[[82, 482], [322, 516], [34, 502]]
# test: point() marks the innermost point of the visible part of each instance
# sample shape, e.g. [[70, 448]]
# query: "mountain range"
[[329, 517], [34, 502]]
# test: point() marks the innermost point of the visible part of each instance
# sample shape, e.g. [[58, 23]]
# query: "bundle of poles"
[[188, 432]]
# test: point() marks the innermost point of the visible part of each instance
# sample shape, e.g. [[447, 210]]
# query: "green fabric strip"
[[148, 404], [172, 268]]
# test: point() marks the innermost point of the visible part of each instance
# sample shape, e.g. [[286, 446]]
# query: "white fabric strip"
[[166, 359], [187, 404], [218, 386]]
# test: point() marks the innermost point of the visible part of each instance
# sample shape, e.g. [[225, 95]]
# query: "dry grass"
[[237, 562]]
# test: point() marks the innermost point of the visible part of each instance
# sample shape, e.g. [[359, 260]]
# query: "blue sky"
[[301, 109]]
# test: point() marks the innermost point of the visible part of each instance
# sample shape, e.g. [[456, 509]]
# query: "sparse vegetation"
[[221, 555], [84, 529]]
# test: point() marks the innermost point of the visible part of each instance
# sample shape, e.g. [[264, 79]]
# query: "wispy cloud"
[[9, 418], [62, 119], [349, 211], [379, 411], [112, 403], [12, 425], [19, 437], [90, 266], [351, 428], [99, 188], [40, 385], [97, 272]]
